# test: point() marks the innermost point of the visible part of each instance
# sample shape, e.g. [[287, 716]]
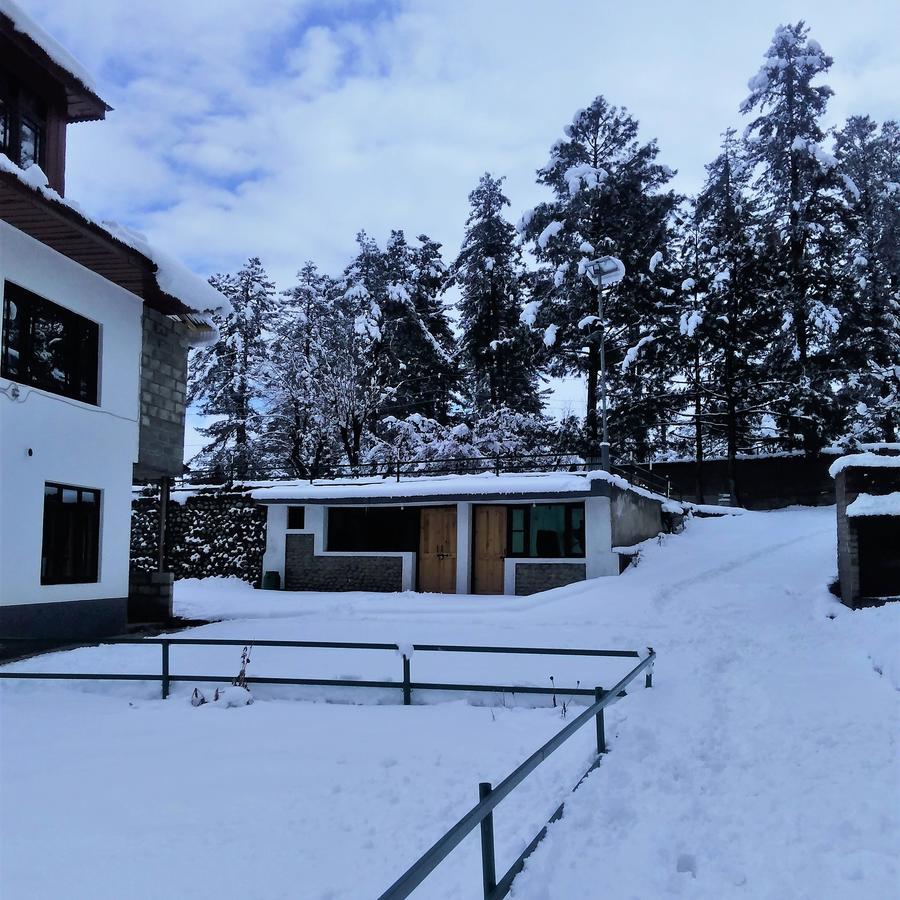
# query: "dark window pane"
[[296, 516], [70, 550], [548, 529], [373, 529], [576, 531], [30, 144], [48, 346]]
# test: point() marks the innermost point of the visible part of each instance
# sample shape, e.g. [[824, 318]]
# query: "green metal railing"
[[406, 684], [489, 797]]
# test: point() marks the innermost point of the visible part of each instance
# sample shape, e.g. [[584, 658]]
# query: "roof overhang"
[[62, 228], [83, 104]]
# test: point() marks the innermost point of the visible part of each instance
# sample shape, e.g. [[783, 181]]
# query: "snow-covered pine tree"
[[869, 167], [737, 306], [609, 198], [798, 186], [499, 352], [416, 334], [225, 378], [300, 436]]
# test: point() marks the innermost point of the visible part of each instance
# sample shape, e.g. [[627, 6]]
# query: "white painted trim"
[[464, 526]]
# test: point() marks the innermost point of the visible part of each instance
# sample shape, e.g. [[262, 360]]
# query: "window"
[[546, 530], [374, 529], [296, 516], [49, 347], [70, 550], [23, 124]]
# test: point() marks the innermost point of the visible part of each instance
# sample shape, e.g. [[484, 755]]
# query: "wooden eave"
[[84, 242], [82, 104]]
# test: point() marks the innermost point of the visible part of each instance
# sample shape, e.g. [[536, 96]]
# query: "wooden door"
[[437, 549], [489, 549]]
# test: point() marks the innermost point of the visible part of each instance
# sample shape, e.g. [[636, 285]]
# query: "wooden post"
[[163, 511]]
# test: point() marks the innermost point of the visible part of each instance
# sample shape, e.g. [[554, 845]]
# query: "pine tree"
[[501, 369], [869, 166], [609, 198], [226, 377], [299, 432], [798, 186]]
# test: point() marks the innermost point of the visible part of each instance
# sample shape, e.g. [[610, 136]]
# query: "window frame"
[[87, 571], [22, 105], [83, 351], [568, 530]]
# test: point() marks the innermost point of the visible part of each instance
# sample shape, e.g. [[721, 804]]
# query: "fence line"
[[406, 685]]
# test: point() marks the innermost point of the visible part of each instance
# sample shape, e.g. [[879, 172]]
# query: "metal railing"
[[166, 677], [482, 814]]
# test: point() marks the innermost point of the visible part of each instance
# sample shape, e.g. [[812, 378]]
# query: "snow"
[[584, 176], [632, 353], [724, 275], [550, 231], [655, 260], [588, 321], [550, 335], [24, 24], [850, 184], [688, 284], [690, 321], [875, 505], [863, 460], [529, 312], [171, 276], [763, 763]]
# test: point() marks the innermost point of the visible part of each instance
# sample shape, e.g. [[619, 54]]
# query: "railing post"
[[648, 678], [488, 867], [599, 694], [407, 689], [165, 669]]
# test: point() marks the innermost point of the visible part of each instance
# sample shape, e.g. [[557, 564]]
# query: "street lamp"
[[603, 272]]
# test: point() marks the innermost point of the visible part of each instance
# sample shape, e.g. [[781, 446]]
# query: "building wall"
[[164, 356], [634, 518], [305, 571], [531, 577], [70, 442]]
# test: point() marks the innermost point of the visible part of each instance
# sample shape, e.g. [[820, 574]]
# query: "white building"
[[479, 534], [95, 329]]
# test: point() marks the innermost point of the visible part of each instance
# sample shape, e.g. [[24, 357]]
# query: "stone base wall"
[[531, 578], [150, 596], [304, 571]]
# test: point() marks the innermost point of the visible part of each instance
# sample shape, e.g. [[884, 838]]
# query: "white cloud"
[[280, 134]]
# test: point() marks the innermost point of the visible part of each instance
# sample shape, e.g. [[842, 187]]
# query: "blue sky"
[[281, 128]]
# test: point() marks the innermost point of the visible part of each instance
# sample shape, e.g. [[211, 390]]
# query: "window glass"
[[296, 516], [373, 528], [4, 125], [517, 531], [548, 529], [576, 531], [30, 144], [48, 346], [70, 550]]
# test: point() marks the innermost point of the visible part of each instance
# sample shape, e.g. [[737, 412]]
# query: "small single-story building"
[[478, 534], [867, 488]]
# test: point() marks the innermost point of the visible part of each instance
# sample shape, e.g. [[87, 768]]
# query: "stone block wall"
[[303, 571], [213, 533], [163, 388], [531, 578]]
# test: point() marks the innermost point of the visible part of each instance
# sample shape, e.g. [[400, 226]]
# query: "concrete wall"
[[634, 518], [164, 355], [305, 571], [71, 442], [531, 577]]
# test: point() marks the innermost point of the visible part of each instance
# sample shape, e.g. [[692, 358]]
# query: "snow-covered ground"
[[764, 762]]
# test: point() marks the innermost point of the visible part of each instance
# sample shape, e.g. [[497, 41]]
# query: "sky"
[[279, 129]]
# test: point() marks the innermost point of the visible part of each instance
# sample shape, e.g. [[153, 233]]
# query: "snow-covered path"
[[764, 762]]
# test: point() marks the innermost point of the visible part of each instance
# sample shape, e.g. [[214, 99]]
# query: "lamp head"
[[605, 271]]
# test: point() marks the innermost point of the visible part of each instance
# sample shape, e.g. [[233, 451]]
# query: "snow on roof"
[[24, 24], [479, 484], [875, 505], [172, 277], [863, 460]]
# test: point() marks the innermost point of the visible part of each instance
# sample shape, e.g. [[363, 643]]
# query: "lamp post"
[[603, 272]]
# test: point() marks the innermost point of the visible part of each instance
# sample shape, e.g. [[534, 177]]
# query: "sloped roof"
[[83, 99]]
